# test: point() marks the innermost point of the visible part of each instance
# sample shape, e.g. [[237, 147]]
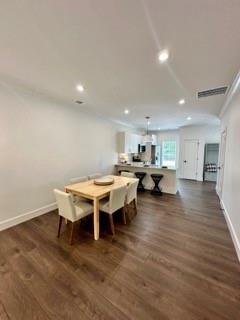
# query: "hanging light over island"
[[147, 137]]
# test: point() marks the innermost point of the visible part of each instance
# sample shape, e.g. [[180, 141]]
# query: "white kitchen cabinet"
[[123, 142], [154, 141], [128, 142], [135, 141]]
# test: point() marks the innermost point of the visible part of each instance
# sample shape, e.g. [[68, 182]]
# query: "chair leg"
[[71, 233], [111, 224], [59, 226], [135, 206], [124, 215]]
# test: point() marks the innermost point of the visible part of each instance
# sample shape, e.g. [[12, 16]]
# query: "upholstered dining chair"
[[128, 174], [94, 176], [115, 202], [78, 180], [131, 198], [71, 210]]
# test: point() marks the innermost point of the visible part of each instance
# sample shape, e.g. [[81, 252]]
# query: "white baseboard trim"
[[27, 216], [235, 240]]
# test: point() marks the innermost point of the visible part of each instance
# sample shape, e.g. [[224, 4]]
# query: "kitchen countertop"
[[136, 165]]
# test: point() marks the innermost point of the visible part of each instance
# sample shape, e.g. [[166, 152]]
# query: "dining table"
[[89, 190]]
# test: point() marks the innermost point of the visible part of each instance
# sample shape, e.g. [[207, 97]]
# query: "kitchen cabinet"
[[128, 142], [154, 141], [135, 141]]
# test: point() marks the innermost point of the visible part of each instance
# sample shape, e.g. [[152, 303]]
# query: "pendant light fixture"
[[147, 137]]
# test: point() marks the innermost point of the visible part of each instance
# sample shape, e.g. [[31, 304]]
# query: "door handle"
[[185, 161]]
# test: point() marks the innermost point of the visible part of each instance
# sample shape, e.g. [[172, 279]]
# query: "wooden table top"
[[90, 190]]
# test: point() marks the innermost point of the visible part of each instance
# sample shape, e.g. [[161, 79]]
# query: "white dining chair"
[[131, 198], [71, 210], [94, 176], [115, 202], [78, 179], [128, 174]]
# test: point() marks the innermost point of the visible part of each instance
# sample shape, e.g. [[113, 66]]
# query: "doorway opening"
[[211, 153]]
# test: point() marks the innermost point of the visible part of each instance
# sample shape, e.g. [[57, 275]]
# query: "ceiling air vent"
[[212, 92], [78, 102]]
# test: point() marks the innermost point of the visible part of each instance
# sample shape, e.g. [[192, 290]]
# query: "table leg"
[[96, 219]]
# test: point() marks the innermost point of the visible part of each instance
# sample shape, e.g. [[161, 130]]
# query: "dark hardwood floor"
[[174, 261]]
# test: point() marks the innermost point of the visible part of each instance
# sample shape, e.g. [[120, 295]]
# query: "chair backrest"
[[117, 198], [127, 174], [65, 204], [94, 176], [78, 179], [132, 192]]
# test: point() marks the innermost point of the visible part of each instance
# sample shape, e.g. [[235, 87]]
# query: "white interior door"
[[190, 159], [221, 161]]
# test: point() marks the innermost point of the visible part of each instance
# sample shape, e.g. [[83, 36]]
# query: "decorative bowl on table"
[[104, 181]]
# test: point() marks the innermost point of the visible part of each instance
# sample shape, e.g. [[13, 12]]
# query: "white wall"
[[205, 134], [231, 181], [42, 145]]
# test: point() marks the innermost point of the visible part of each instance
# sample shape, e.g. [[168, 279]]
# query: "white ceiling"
[[111, 47]]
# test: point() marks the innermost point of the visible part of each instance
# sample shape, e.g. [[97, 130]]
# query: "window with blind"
[[169, 153]]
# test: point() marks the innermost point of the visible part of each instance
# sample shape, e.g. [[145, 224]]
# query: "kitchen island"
[[168, 184]]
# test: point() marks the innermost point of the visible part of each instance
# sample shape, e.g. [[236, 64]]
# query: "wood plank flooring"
[[175, 260]]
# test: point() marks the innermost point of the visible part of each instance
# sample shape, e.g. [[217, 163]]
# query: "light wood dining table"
[[94, 192]]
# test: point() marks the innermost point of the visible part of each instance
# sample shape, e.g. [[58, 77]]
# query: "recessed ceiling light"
[[80, 88], [181, 101], [163, 56], [189, 118], [126, 111]]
